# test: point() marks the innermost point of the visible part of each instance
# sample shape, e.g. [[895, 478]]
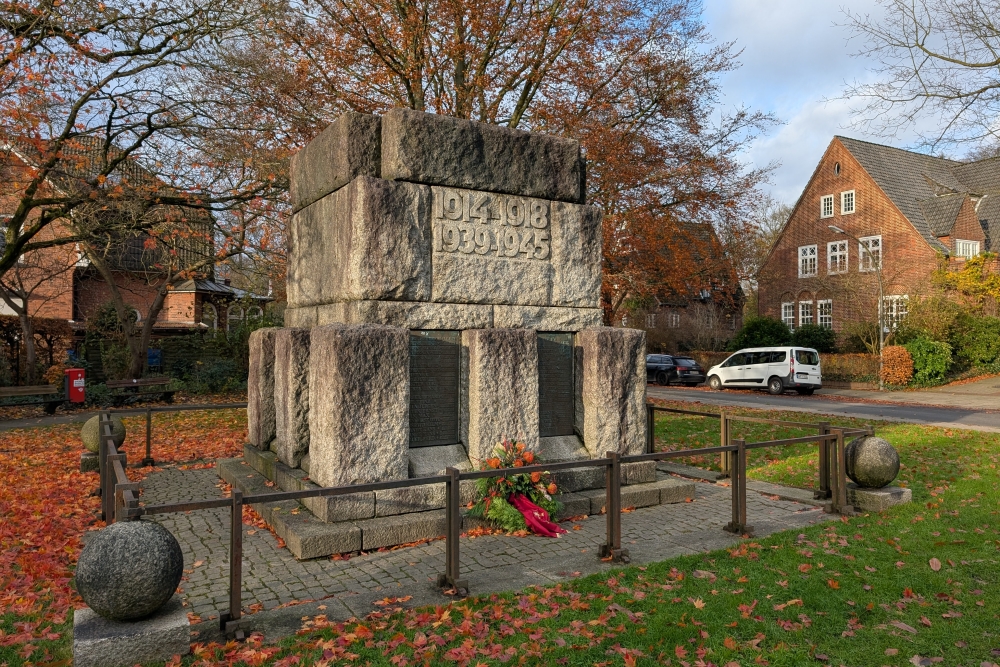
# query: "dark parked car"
[[689, 372], [661, 369]]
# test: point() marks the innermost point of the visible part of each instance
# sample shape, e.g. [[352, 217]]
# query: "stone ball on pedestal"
[[91, 433], [871, 462], [129, 570]]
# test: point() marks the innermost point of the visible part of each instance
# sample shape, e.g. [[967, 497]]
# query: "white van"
[[773, 368]]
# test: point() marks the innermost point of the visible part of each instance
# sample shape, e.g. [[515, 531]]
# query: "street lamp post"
[[877, 265]]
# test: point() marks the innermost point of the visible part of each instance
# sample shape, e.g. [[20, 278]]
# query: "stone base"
[[307, 536], [90, 462], [98, 642], [876, 500]]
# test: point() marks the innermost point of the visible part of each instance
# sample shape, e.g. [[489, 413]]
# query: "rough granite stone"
[[368, 240], [481, 257], [545, 318], [643, 472], [577, 240], [387, 531], [673, 490], [408, 314], [90, 462], [613, 379], [129, 569], [502, 389], [871, 462], [90, 433], [442, 150], [291, 395], [260, 388], [877, 500], [359, 384], [99, 642], [350, 146], [425, 462]]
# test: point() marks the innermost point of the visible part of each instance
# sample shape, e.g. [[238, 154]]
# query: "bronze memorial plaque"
[[435, 366], [555, 384]]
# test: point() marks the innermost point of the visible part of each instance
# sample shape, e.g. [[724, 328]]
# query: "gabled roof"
[[930, 190]]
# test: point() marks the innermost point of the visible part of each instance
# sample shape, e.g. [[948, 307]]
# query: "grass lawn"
[[916, 585]]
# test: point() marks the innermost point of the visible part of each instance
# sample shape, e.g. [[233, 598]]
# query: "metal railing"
[[121, 497], [831, 465]]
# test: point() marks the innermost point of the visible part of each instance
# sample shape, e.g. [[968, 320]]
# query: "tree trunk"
[[146, 332], [27, 332]]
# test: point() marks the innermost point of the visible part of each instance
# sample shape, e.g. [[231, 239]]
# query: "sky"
[[796, 59]]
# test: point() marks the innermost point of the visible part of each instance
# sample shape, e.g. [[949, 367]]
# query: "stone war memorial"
[[443, 295]]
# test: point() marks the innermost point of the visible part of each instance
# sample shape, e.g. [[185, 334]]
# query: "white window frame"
[[788, 314], [837, 257], [966, 249], [826, 206], [674, 320], [897, 307], [214, 326], [848, 197], [650, 320], [806, 315], [824, 313], [869, 257], [808, 260]]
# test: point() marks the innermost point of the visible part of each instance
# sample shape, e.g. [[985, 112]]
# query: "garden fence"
[[121, 497]]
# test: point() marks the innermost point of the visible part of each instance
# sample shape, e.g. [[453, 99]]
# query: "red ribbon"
[[537, 519]]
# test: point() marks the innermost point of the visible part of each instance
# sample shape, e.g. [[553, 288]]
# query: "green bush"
[[761, 332], [976, 340], [819, 338], [98, 395], [931, 360]]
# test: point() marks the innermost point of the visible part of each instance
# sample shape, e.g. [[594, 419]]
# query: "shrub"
[[931, 360], [897, 365], [761, 332], [977, 340], [819, 338]]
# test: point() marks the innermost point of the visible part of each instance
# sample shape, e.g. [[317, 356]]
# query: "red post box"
[[75, 385]]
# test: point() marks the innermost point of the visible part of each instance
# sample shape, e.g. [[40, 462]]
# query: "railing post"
[[845, 508], [725, 458], [738, 486], [235, 563], [148, 461], [102, 456], [824, 464], [453, 518], [612, 548]]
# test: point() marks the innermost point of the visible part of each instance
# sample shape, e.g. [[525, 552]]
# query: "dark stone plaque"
[[435, 367], [555, 384]]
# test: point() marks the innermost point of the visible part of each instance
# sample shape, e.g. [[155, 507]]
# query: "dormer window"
[[966, 249]]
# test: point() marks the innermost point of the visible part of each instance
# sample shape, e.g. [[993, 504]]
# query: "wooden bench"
[[141, 387], [38, 390]]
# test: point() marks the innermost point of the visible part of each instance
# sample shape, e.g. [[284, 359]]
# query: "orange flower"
[[536, 477], [518, 463], [529, 457], [520, 447], [552, 489], [493, 463]]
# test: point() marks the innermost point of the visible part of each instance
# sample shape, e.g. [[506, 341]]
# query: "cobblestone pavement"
[[273, 578]]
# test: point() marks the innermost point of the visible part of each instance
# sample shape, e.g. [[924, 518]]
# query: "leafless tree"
[[939, 66]]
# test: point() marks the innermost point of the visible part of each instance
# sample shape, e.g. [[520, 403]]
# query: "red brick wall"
[[908, 259]]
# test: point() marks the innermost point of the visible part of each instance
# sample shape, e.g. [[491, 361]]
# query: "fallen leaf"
[[903, 626], [891, 651], [935, 564]]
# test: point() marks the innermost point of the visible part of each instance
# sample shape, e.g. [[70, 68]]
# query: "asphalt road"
[[948, 417]]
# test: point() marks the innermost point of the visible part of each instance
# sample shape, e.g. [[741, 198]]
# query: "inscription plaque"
[[491, 225], [555, 384], [435, 358]]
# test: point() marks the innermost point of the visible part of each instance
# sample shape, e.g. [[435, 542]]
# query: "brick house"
[[67, 287], [703, 312], [902, 213]]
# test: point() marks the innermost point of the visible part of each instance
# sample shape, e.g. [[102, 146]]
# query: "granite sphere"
[[129, 570], [871, 462], [90, 434]]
